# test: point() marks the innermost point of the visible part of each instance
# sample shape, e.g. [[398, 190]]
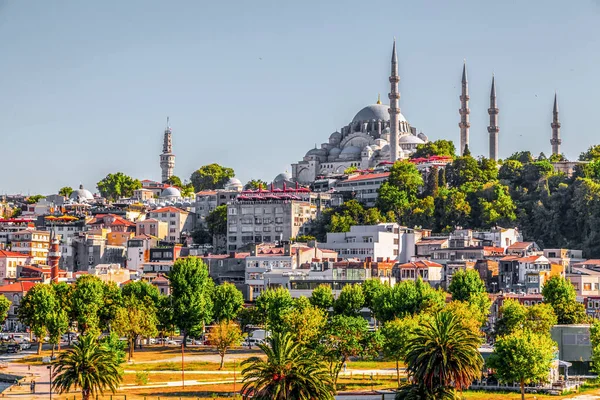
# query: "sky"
[[86, 87]]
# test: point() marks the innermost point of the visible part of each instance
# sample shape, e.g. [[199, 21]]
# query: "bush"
[[141, 378]]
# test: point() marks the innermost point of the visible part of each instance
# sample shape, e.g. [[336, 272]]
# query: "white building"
[[9, 260], [378, 242], [363, 187], [179, 221]]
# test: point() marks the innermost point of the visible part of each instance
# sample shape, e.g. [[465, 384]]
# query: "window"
[[232, 211], [232, 238], [172, 215], [172, 238], [266, 229], [587, 286], [233, 229], [247, 210], [172, 223], [172, 230], [279, 220], [279, 229]]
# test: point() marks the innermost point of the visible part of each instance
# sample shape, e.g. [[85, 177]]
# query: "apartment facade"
[[32, 243], [179, 221]]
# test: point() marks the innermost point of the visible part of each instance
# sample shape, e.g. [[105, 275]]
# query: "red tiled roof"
[[17, 287], [493, 249], [509, 258], [520, 245], [368, 176], [421, 264], [6, 253], [529, 259], [160, 278], [589, 262], [143, 236], [432, 241], [168, 209], [206, 193]]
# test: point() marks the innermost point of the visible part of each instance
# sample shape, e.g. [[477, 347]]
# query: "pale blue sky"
[[85, 86]]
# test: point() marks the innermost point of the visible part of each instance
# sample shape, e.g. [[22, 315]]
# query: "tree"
[[407, 298], [344, 337], [436, 148], [201, 236], [255, 184], [223, 336], [135, 318], [164, 315], [522, 357], [115, 186], [350, 170], [36, 310], [561, 295], [464, 283], [4, 308], [322, 297], [350, 301], [191, 290], [112, 300], [216, 220], [272, 303], [516, 317], [57, 323], [34, 198], [212, 176], [305, 322], [592, 154], [175, 181], [87, 366], [397, 334], [65, 191], [227, 301], [372, 288], [496, 206], [595, 342], [287, 373], [406, 177], [444, 354]]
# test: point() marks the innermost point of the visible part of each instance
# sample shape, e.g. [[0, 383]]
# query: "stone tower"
[[394, 109], [54, 257], [167, 158], [493, 128], [464, 111], [555, 141]]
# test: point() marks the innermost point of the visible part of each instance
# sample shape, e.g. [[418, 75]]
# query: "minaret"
[[167, 158], [464, 111], [493, 128], [54, 257], [555, 141], [394, 109]]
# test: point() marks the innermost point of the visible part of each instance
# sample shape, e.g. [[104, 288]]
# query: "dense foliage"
[[212, 176]]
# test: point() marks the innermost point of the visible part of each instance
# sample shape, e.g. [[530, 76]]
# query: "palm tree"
[[444, 354], [289, 372], [88, 366]]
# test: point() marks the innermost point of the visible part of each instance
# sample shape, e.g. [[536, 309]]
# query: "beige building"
[[152, 227], [34, 244], [178, 221], [9, 260], [254, 219]]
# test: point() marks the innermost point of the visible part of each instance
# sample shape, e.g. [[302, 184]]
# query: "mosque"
[[378, 133]]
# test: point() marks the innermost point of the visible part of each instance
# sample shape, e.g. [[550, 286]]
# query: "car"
[[173, 342], [13, 348], [249, 342]]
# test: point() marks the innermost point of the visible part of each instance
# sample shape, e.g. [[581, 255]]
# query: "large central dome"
[[375, 112]]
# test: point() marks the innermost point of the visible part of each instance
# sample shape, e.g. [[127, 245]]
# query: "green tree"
[[464, 170], [228, 301], [216, 221], [595, 342], [523, 157], [224, 336], [112, 300], [288, 372], [36, 310], [464, 283], [175, 181], [436, 148], [444, 354], [272, 303], [592, 154], [143, 291], [344, 337], [407, 298], [406, 177], [165, 315], [561, 295], [496, 206], [350, 170], [511, 172], [191, 294], [372, 288], [57, 323], [255, 184], [523, 357], [322, 297], [212, 176], [117, 185], [515, 317], [65, 191], [87, 366], [135, 318], [397, 335], [557, 157], [4, 308], [350, 301], [34, 198], [201, 236], [305, 322]]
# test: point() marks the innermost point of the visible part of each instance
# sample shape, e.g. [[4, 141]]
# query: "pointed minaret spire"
[[167, 158], [493, 128], [555, 141], [394, 109], [464, 111]]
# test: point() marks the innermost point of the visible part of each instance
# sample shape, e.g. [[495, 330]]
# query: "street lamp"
[[50, 374]]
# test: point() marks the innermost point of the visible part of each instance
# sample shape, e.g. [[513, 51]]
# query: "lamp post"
[[182, 364], [50, 375]]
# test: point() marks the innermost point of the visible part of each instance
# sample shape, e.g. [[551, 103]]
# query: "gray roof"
[[375, 112]]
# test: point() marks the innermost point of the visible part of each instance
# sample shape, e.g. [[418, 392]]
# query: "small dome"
[[284, 176], [335, 151], [351, 150], [380, 142], [171, 191], [423, 137], [233, 184], [81, 194], [335, 137], [375, 112], [316, 152], [412, 139]]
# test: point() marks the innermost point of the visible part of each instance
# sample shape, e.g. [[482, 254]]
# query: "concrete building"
[[266, 218], [91, 249], [362, 187], [153, 227], [15, 292], [228, 268], [180, 222], [32, 243], [574, 347], [585, 281], [138, 251], [523, 249], [428, 271], [377, 242]]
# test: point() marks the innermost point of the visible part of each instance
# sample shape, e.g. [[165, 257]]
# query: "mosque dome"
[[170, 192], [410, 139], [423, 137], [375, 112], [335, 151], [316, 152], [233, 184], [81, 194], [284, 176]]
